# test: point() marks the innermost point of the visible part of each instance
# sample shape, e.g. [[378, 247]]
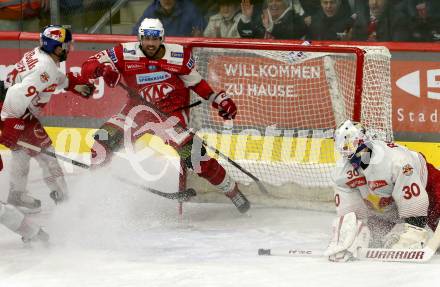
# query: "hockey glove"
[[111, 77], [79, 85], [225, 105], [405, 235], [349, 236], [11, 132]]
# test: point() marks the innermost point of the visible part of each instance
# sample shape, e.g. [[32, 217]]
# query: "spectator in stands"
[[277, 21], [224, 23], [22, 15], [425, 19], [382, 20], [332, 22], [206, 7], [179, 17]]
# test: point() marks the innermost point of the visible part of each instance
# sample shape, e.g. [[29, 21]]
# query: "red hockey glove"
[[225, 105], [12, 129], [79, 85], [111, 77]]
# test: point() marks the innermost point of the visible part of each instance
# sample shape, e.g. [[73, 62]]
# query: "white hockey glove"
[[349, 236], [405, 235]]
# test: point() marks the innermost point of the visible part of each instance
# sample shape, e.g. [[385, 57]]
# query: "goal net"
[[290, 98]]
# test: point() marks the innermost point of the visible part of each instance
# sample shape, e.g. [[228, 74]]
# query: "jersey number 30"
[[411, 190]]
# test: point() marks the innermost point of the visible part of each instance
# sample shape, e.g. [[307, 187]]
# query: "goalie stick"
[[180, 196], [371, 254], [260, 185]]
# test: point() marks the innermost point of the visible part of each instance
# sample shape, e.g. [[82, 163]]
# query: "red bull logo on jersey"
[[44, 77], [407, 170], [375, 184], [359, 181]]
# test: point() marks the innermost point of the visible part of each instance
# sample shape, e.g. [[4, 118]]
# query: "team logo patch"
[[359, 181], [39, 132], [407, 169], [152, 77], [190, 63], [112, 54], [44, 78], [50, 89], [134, 66], [375, 184], [131, 52], [152, 68], [55, 33], [177, 54]]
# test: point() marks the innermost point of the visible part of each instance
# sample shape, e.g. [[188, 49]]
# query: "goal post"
[[290, 98]]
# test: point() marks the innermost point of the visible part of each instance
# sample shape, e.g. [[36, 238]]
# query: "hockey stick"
[[260, 185], [52, 154], [180, 196], [371, 254], [192, 105]]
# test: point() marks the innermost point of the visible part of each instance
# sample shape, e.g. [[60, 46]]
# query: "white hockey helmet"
[[348, 137], [151, 28]]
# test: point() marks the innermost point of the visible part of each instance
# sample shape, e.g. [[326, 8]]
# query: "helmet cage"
[[348, 137]]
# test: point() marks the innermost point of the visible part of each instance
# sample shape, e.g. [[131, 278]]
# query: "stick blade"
[[263, 252]]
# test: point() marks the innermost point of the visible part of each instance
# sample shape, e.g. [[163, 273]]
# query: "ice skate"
[[239, 200], [24, 202]]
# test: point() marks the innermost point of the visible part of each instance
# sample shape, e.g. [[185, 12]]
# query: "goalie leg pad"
[[349, 236]]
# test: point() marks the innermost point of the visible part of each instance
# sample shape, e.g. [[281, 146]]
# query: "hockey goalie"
[[386, 195]]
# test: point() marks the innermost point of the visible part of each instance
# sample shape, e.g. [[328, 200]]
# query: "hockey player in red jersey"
[[386, 195], [29, 87], [161, 74]]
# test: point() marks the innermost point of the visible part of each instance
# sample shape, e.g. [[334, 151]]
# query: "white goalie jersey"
[[392, 186], [31, 84]]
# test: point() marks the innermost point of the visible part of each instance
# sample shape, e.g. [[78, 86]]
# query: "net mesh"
[[289, 103]]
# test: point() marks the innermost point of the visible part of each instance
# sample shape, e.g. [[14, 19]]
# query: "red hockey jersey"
[[164, 82]]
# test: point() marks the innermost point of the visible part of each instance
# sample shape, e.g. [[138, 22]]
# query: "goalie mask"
[[151, 28], [54, 36], [349, 137]]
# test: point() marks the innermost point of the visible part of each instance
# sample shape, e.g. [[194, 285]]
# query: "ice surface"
[[110, 234]]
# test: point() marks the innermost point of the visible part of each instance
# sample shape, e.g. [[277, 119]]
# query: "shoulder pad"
[[174, 54]]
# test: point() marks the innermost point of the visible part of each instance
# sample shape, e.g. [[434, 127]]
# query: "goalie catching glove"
[[350, 235], [225, 105], [80, 85]]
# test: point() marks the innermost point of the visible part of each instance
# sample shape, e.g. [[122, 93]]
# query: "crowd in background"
[[347, 20]]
